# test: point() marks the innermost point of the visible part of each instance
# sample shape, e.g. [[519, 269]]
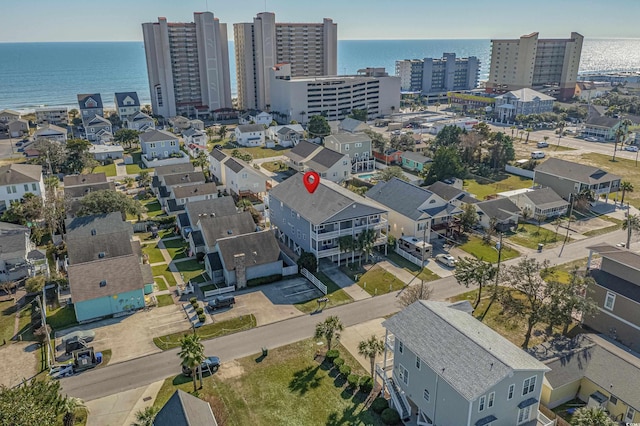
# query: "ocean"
[[52, 74]]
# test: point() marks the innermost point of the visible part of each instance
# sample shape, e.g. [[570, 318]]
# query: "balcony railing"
[[544, 420], [381, 224]]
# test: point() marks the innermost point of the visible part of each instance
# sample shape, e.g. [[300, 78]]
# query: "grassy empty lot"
[[403, 263], [476, 247], [622, 167], [335, 294], [7, 319], [153, 207], [164, 300], [209, 331], [275, 166], [176, 247], [481, 188], [62, 318], [191, 270], [529, 235], [109, 170], [287, 387], [378, 281], [163, 270], [257, 152], [153, 252]]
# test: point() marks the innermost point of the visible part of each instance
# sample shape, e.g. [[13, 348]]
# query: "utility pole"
[[499, 247], [424, 241], [43, 317]]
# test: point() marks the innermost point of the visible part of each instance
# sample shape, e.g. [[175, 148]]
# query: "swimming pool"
[[366, 176]]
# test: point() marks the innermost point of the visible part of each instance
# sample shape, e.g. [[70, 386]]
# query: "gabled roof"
[[526, 95], [416, 157], [174, 168], [121, 96], [184, 178], [208, 188], [50, 129], [237, 165], [246, 128], [84, 179], [259, 248], [192, 132], [325, 159], [184, 409], [101, 224], [98, 120], [12, 239], [499, 208], [218, 154], [341, 138], [154, 135], [122, 274], [402, 197], [286, 128], [13, 174], [82, 98], [468, 355], [445, 191], [352, 125], [302, 150], [574, 171], [329, 201], [9, 112], [18, 124], [545, 198], [215, 227], [221, 206], [101, 245], [139, 116], [596, 117], [618, 255]]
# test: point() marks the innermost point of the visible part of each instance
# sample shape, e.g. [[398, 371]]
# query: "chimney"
[[241, 270]]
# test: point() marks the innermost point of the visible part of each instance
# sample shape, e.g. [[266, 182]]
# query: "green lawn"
[[176, 247], [601, 231], [335, 294], [162, 270], [61, 318], [191, 270], [287, 387], [403, 263], [164, 300], [209, 331], [153, 252], [529, 235], [153, 207], [627, 169], [275, 166], [7, 319], [481, 188], [378, 281], [562, 273], [257, 152], [109, 170], [135, 169], [162, 285], [477, 248]]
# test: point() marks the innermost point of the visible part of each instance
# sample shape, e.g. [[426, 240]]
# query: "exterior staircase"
[[399, 399]]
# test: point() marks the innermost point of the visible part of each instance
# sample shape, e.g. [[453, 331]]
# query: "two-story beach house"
[[17, 180], [90, 105], [140, 122], [127, 104], [329, 164], [51, 132], [250, 134], [357, 146], [99, 129], [159, 144]]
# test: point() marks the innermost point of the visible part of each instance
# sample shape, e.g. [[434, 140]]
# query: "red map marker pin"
[[311, 181]]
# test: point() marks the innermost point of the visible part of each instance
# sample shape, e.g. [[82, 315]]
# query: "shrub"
[[379, 405], [163, 220], [366, 384], [193, 300], [345, 370], [338, 362], [332, 354], [199, 310], [353, 380], [201, 318], [390, 416], [200, 256], [264, 280]]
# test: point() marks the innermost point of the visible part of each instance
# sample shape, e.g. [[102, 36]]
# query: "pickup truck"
[[221, 302]]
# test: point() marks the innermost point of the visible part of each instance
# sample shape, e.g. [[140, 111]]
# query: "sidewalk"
[[345, 283], [121, 408]]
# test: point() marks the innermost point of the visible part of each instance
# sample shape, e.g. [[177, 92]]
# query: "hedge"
[[193, 300], [264, 280], [366, 384], [199, 310], [163, 220], [201, 318], [390, 416], [332, 354], [353, 380], [379, 405], [345, 370], [338, 362]]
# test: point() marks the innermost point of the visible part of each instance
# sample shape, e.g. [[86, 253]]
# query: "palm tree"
[[560, 130], [513, 129], [191, 354], [345, 243], [69, 407], [528, 130], [146, 417], [631, 225], [222, 131], [202, 161], [366, 240], [145, 178], [619, 136], [371, 348], [129, 181], [591, 416], [521, 132], [437, 105], [329, 329], [546, 139], [210, 133], [626, 186]]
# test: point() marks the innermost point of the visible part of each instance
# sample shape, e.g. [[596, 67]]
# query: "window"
[[344, 162], [293, 214], [93, 232], [172, 143], [152, 145], [244, 175], [404, 374], [613, 400], [8, 190], [34, 187], [400, 347], [492, 397], [529, 385], [630, 413], [524, 414], [425, 395], [510, 393], [418, 363], [26, 187], [346, 147], [358, 145], [610, 301], [481, 403]]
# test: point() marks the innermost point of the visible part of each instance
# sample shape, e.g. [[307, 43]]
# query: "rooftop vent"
[[101, 255], [93, 232], [229, 232], [103, 283]]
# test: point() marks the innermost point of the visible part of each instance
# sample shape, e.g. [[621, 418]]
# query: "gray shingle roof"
[[90, 248], [98, 120], [13, 174], [500, 208], [234, 164], [218, 154], [216, 227], [617, 254], [122, 274], [445, 191], [325, 159], [328, 201], [184, 178], [302, 150], [574, 171], [82, 98], [259, 248], [184, 409], [174, 168], [545, 198], [121, 96], [191, 131], [208, 188], [247, 128], [222, 206], [86, 226], [416, 157], [341, 138], [470, 356], [402, 197], [84, 179], [351, 124], [13, 242], [154, 135], [140, 116]]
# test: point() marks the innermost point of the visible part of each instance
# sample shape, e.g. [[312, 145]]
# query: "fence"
[[140, 227], [559, 421], [308, 275], [409, 257], [219, 291], [289, 270], [287, 260], [518, 171]]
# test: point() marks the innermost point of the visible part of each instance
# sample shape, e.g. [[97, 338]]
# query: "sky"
[[119, 20]]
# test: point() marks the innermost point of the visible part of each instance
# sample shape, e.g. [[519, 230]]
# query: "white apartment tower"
[[547, 65], [188, 65], [431, 75], [311, 49]]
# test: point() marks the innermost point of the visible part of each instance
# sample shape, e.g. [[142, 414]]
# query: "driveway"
[[258, 304]]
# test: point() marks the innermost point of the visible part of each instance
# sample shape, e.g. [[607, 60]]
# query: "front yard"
[[529, 235], [192, 270], [335, 294], [481, 188], [163, 270], [164, 300], [153, 253], [209, 331], [375, 281], [256, 152], [109, 170], [403, 263], [153, 207], [176, 247], [478, 248], [623, 167]]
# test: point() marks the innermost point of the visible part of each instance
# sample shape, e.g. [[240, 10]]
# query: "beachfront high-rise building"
[[311, 49], [188, 65], [547, 65], [429, 76]]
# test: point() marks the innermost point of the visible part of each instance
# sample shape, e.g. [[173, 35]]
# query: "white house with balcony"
[[18, 179], [256, 117], [140, 122], [314, 222], [250, 134], [522, 102]]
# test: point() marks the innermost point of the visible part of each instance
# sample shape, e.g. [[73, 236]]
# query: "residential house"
[[77, 186], [106, 271], [286, 136], [163, 189], [18, 179], [593, 369], [242, 180], [127, 104], [8, 115], [58, 116], [248, 257], [451, 194], [414, 161], [15, 246], [18, 128], [194, 149], [351, 125], [389, 156], [184, 409], [299, 155], [328, 163], [587, 90], [522, 102], [180, 122], [140, 122], [541, 202], [568, 179], [98, 129], [356, 145], [197, 124], [616, 290], [250, 134], [502, 211], [314, 222], [217, 159], [90, 105], [194, 136], [209, 229], [174, 169], [179, 195], [159, 144], [414, 211], [256, 117], [599, 125], [194, 210], [448, 368], [52, 132], [106, 152]]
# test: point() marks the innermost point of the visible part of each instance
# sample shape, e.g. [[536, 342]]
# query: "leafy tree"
[[78, 156], [146, 417], [202, 161], [69, 407], [378, 141], [34, 284], [77, 121], [625, 186], [145, 178], [51, 154], [389, 173], [591, 416], [192, 354], [346, 244], [565, 300], [222, 131], [126, 137], [308, 261], [129, 181], [448, 136], [475, 272], [631, 225], [329, 329], [413, 293], [483, 128], [107, 201], [73, 113], [403, 142], [469, 217], [359, 114], [471, 148], [318, 127], [446, 164], [244, 156], [371, 348], [37, 402], [53, 210], [501, 150]]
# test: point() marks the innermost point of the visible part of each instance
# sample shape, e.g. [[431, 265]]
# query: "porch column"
[[589, 260]]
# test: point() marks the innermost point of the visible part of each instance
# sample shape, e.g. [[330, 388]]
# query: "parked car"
[[19, 143], [221, 302], [446, 260], [74, 344], [59, 371], [542, 144], [209, 366], [591, 139], [537, 154], [631, 148], [86, 335]]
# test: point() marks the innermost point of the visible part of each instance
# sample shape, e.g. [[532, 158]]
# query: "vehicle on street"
[[209, 366], [446, 260], [631, 148], [221, 302], [591, 139], [537, 154], [19, 143], [86, 335], [59, 371], [543, 144]]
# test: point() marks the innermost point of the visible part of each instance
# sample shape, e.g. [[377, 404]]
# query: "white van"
[[537, 154]]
